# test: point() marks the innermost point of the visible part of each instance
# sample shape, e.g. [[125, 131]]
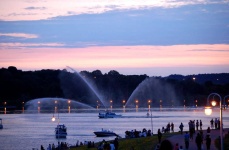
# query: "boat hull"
[[104, 134], [108, 115], [63, 135]]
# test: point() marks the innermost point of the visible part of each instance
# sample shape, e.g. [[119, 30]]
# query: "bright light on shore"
[[53, 118], [208, 111]]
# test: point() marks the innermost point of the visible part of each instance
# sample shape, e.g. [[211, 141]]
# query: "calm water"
[[28, 131]]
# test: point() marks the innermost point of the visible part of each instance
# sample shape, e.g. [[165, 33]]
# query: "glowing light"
[[208, 111], [213, 103], [53, 118]]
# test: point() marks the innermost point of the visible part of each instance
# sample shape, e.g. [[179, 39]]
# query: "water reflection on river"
[[30, 130]]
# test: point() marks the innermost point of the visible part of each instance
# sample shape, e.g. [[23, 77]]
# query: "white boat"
[[1, 126], [104, 133], [108, 114], [61, 131]]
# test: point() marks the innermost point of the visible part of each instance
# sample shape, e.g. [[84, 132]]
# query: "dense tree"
[[19, 86]]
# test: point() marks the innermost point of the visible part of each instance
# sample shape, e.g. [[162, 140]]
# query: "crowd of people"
[[105, 145], [169, 128], [215, 123], [60, 146], [136, 134], [195, 128]]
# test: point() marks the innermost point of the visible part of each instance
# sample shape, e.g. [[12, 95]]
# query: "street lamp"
[[69, 107], [196, 102], [38, 107], [111, 103], [160, 103], [23, 107], [208, 111], [149, 102], [136, 101], [58, 120], [124, 106], [213, 103], [5, 108], [124, 101]]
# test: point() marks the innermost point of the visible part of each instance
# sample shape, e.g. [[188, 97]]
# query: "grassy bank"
[[144, 143]]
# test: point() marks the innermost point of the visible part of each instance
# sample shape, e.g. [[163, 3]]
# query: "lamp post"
[[111, 104], [69, 106], [23, 107], [160, 104], [38, 106], [5, 107], [208, 111], [149, 102], [124, 107], [136, 105], [58, 120]]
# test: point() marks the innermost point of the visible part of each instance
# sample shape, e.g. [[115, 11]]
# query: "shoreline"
[[173, 137]]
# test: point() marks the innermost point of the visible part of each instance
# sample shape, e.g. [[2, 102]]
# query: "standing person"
[[197, 125], [208, 130], [172, 127], [216, 123], [212, 123], [168, 127], [186, 140], [198, 141], [181, 127], [49, 147], [116, 143], [208, 142], [53, 146], [201, 124], [159, 135]]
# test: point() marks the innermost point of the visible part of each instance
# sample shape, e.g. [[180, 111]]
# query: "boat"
[[61, 131], [108, 114], [104, 133], [1, 126]]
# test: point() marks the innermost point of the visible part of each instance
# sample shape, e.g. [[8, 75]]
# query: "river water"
[[26, 131]]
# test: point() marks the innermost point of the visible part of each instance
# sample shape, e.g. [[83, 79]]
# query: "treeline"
[[17, 86]]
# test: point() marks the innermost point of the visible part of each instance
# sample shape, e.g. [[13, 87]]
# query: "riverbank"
[[150, 143]]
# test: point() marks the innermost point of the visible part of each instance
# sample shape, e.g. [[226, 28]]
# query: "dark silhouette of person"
[[116, 143], [42, 148], [198, 141], [181, 127], [186, 140], [159, 135], [208, 142], [166, 145]]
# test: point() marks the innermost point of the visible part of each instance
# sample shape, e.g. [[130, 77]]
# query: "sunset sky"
[[153, 37]]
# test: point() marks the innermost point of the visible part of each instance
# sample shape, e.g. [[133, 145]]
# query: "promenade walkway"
[[192, 145]]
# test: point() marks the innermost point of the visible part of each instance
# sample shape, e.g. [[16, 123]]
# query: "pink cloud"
[[116, 56]]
